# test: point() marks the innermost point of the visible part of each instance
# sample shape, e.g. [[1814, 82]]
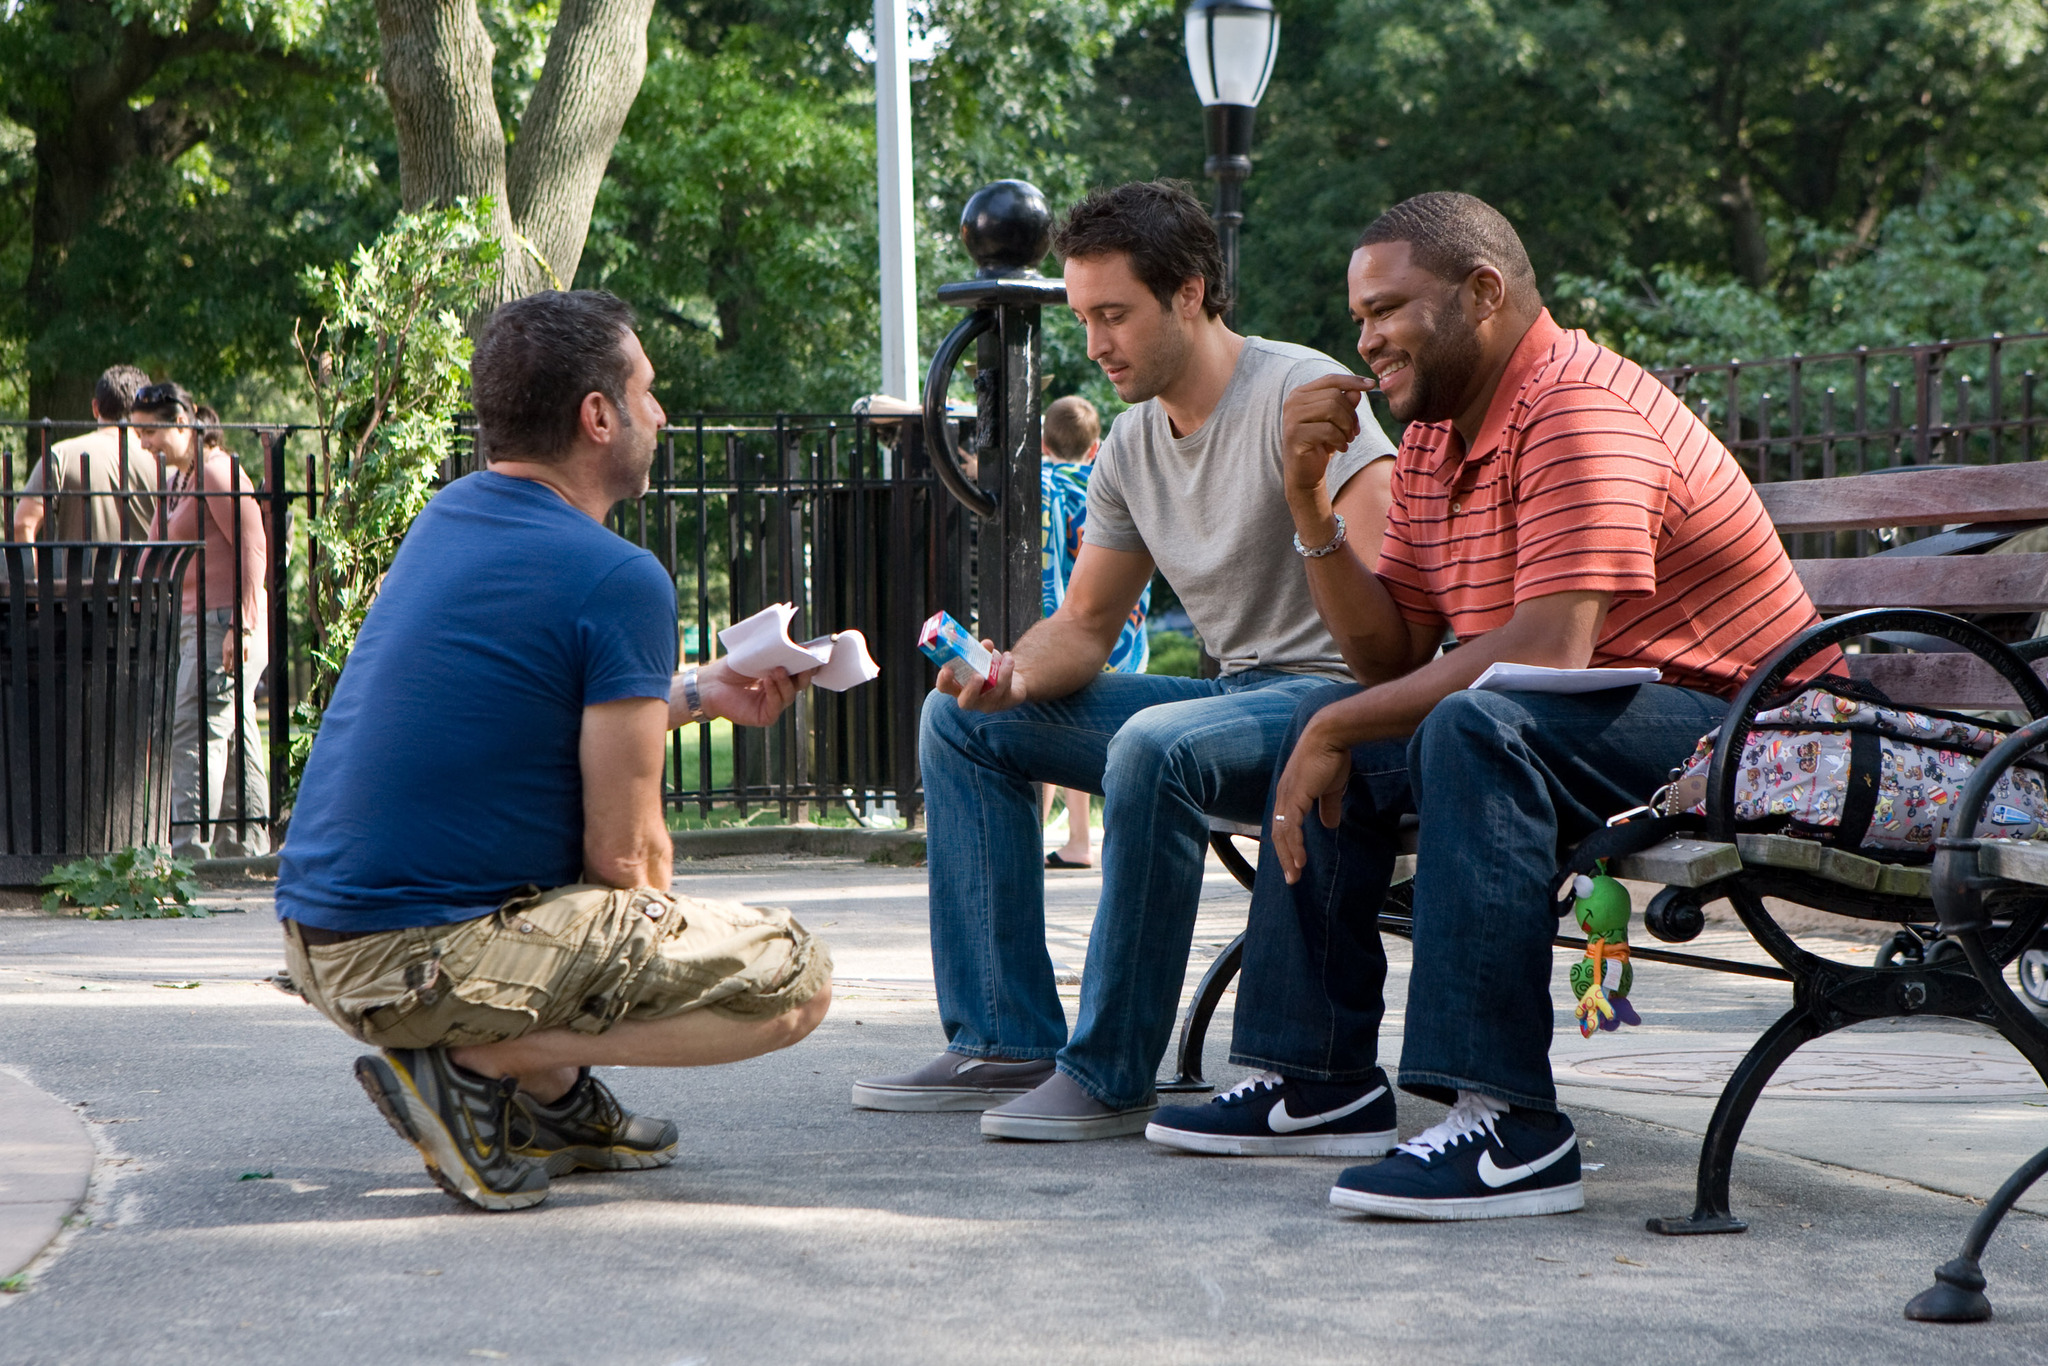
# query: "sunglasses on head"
[[155, 396]]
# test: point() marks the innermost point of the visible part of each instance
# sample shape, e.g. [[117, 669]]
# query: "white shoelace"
[[1252, 1083], [1471, 1115]]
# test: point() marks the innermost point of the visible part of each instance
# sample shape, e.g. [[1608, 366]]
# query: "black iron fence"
[[842, 516], [838, 515], [1846, 412]]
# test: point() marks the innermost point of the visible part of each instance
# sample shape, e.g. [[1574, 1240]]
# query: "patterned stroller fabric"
[[1860, 774]]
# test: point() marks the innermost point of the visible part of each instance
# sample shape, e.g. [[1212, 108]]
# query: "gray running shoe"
[[1061, 1112], [588, 1130], [461, 1123], [952, 1081]]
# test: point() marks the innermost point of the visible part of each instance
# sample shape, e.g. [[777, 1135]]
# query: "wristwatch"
[[1321, 551], [693, 699]]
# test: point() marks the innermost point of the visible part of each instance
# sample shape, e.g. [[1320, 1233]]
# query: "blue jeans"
[[1501, 783], [1165, 753]]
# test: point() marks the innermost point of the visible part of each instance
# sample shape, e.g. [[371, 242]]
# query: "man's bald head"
[[1451, 235]]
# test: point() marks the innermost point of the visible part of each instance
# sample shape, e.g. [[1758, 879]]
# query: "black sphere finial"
[[1007, 228]]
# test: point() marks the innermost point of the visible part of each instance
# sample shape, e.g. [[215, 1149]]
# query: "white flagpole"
[[893, 177]]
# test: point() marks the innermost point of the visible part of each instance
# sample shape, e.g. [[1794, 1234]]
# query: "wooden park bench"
[[1910, 608]]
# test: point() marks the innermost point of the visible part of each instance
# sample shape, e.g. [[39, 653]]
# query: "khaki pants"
[[582, 957], [205, 718]]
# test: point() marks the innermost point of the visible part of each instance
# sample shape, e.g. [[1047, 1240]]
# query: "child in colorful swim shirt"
[[1070, 432]]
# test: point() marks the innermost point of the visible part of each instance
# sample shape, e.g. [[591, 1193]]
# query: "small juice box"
[[945, 642]]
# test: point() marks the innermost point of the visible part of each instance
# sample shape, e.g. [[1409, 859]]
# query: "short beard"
[[1151, 377], [637, 468], [1442, 371]]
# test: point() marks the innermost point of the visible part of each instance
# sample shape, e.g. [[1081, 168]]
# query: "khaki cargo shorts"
[[582, 957]]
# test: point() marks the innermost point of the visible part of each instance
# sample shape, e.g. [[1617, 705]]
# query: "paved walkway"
[[250, 1206]]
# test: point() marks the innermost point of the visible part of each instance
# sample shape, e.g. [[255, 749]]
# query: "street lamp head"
[[1007, 228], [1231, 47]]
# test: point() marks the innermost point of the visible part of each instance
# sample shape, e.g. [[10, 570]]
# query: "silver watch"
[[693, 699], [1321, 551]]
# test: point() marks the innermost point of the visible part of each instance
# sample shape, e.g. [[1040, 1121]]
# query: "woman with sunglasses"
[[222, 648]]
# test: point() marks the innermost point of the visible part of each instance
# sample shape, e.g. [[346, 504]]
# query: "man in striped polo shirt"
[[1555, 505]]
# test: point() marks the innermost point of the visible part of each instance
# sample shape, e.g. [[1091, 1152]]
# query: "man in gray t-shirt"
[[1210, 509], [1192, 481]]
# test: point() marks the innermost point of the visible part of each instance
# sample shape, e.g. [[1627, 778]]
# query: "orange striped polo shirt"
[[1589, 475]]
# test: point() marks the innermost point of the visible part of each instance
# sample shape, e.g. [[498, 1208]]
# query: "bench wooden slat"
[[1679, 863], [2021, 860], [1966, 583], [1956, 682], [1835, 865], [1930, 497]]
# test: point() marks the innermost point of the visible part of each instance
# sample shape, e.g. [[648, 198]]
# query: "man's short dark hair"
[[114, 395], [1161, 226], [1070, 426], [540, 357], [1451, 235]]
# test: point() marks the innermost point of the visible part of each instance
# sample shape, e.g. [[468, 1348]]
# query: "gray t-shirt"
[[1211, 511]]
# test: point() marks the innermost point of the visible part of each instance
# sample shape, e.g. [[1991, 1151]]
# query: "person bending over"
[[103, 485], [1191, 480], [1553, 504], [476, 880]]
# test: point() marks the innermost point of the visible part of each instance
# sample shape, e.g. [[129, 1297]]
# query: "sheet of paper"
[[847, 661], [1537, 678], [761, 643]]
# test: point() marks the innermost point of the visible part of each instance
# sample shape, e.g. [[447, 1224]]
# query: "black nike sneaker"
[[588, 1130], [1483, 1161], [1268, 1115], [463, 1124]]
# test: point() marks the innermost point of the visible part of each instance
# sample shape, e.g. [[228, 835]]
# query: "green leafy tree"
[[739, 214], [115, 99], [388, 368]]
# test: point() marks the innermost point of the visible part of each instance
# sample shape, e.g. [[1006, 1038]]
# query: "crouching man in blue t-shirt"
[[476, 880]]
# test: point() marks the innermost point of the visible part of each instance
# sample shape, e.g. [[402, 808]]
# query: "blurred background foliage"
[[1750, 177]]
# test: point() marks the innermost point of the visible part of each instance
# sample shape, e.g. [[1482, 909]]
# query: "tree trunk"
[[437, 76], [1749, 250], [451, 145], [597, 56]]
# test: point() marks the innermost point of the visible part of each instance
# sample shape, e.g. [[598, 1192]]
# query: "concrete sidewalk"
[[251, 1206], [46, 1161]]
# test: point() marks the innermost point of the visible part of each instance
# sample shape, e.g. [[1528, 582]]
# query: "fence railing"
[[839, 515], [842, 516], [1845, 412]]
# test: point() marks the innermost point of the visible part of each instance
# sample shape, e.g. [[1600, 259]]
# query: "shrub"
[[1175, 654], [389, 370], [144, 883]]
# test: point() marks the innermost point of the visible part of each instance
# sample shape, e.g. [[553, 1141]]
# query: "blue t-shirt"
[[445, 773]]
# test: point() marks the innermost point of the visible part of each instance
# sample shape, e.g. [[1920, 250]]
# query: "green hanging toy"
[[1602, 910]]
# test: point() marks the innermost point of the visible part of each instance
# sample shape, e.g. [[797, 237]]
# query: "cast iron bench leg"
[[1717, 1154], [1957, 1295], [1194, 1025]]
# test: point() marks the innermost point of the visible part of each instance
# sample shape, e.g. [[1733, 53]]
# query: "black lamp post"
[[1231, 47], [1007, 229]]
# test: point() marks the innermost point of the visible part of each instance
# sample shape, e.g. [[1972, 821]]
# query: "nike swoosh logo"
[[1280, 1122], [1496, 1176]]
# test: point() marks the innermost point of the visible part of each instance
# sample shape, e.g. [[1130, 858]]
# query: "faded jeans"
[[206, 706], [1165, 753], [1501, 782]]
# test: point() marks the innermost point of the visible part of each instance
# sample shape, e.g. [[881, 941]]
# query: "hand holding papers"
[[1536, 678], [762, 642]]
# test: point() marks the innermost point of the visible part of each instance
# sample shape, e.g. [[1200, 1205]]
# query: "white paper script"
[[761, 643]]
